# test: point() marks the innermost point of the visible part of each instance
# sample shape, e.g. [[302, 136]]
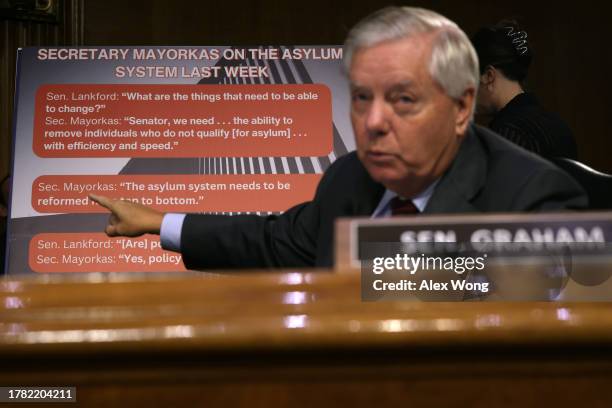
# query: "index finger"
[[102, 200]]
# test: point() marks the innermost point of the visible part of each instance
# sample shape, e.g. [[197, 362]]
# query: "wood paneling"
[[16, 34]]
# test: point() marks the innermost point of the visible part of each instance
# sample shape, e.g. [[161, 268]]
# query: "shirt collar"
[[420, 200]]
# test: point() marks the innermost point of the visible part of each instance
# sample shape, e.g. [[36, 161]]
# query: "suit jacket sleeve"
[[250, 241], [302, 236]]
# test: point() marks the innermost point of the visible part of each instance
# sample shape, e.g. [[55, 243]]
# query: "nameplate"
[[585, 231], [503, 257]]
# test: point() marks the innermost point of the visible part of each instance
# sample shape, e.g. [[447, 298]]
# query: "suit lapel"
[[462, 182]]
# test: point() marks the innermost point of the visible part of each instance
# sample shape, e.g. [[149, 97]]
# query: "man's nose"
[[377, 120]]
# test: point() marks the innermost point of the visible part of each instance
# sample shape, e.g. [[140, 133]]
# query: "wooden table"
[[295, 338]]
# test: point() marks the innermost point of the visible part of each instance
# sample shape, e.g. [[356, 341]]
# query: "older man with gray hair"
[[413, 78]]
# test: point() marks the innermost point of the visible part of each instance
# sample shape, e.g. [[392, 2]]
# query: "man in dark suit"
[[413, 77]]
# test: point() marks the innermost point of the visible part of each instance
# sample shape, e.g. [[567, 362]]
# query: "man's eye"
[[360, 97], [405, 99]]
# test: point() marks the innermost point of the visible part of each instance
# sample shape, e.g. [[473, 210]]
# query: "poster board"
[[227, 130]]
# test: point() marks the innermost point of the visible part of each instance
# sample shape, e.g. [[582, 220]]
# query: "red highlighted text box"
[[182, 120], [178, 193], [95, 252]]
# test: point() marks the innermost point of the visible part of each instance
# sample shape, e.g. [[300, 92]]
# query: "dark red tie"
[[402, 207]]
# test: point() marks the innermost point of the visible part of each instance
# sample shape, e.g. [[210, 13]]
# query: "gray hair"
[[453, 63]]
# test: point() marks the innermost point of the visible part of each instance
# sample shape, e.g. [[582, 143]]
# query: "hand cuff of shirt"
[[170, 232]]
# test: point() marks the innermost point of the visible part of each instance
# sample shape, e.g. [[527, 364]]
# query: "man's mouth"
[[378, 153], [379, 156]]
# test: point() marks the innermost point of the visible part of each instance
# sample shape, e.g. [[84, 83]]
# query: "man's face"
[[407, 129]]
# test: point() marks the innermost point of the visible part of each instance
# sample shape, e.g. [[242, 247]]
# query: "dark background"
[[570, 72]]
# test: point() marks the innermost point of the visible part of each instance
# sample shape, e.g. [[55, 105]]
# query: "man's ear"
[[488, 77], [465, 110]]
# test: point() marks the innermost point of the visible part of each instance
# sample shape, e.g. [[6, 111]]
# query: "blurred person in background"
[[505, 55]]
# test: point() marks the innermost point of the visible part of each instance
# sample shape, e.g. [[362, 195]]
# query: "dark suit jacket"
[[489, 174]]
